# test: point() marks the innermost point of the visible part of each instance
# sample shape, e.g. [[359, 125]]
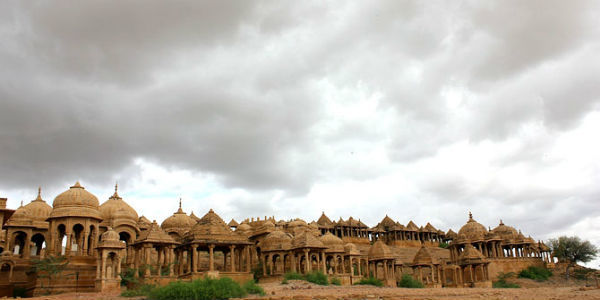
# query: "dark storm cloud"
[[241, 91]]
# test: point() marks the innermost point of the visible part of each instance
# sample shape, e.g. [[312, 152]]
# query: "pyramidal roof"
[[307, 240], [379, 250], [411, 226], [470, 254], [324, 221], [212, 229], [424, 257], [155, 235], [430, 227], [387, 222]]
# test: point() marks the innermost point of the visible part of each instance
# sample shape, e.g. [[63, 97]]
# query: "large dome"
[[472, 231], [115, 204], [76, 202], [21, 217], [505, 232], [276, 240], [332, 242], [179, 221]]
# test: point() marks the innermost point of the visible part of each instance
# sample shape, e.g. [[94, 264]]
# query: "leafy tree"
[[49, 267], [572, 250]]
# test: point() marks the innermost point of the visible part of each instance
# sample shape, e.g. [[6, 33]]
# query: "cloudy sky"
[[419, 110]]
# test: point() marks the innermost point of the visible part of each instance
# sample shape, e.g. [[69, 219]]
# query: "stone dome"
[[297, 222], [276, 240], [351, 249], [21, 217], [472, 231], [110, 239], [76, 202], [109, 235], [243, 227], [330, 239], [115, 204], [505, 232], [178, 221], [38, 209], [269, 224]]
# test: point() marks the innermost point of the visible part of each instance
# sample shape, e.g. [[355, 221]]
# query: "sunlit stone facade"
[[100, 241]]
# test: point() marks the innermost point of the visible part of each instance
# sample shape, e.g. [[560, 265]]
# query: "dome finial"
[[179, 202], [116, 194], [501, 223], [77, 185], [470, 216], [21, 203], [39, 195]]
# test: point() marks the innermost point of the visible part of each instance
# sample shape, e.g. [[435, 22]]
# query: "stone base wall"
[[505, 265], [67, 281]]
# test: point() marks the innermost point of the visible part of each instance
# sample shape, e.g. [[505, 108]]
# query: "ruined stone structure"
[[100, 242]]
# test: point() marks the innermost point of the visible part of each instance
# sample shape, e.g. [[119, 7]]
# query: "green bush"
[[284, 281], [201, 289], [143, 290], [535, 273], [501, 282], [408, 281], [252, 288], [128, 277], [370, 281], [257, 272], [317, 278], [443, 245], [293, 276], [335, 281], [504, 285]]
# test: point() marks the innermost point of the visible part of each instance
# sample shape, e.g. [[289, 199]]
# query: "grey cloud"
[[235, 90]]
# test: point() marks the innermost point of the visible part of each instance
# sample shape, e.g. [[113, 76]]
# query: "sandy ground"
[[301, 290]]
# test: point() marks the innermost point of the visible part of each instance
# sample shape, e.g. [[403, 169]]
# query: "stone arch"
[[19, 240], [39, 242], [91, 240], [6, 271], [112, 259], [61, 243]]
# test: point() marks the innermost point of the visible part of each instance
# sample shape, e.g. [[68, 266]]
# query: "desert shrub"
[[252, 288], [370, 281], [257, 272], [502, 283], [581, 274], [128, 277], [443, 245], [284, 281], [317, 278], [293, 276], [335, 281], [142, 290], [535, 273], [201, 289], [408, 281]]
